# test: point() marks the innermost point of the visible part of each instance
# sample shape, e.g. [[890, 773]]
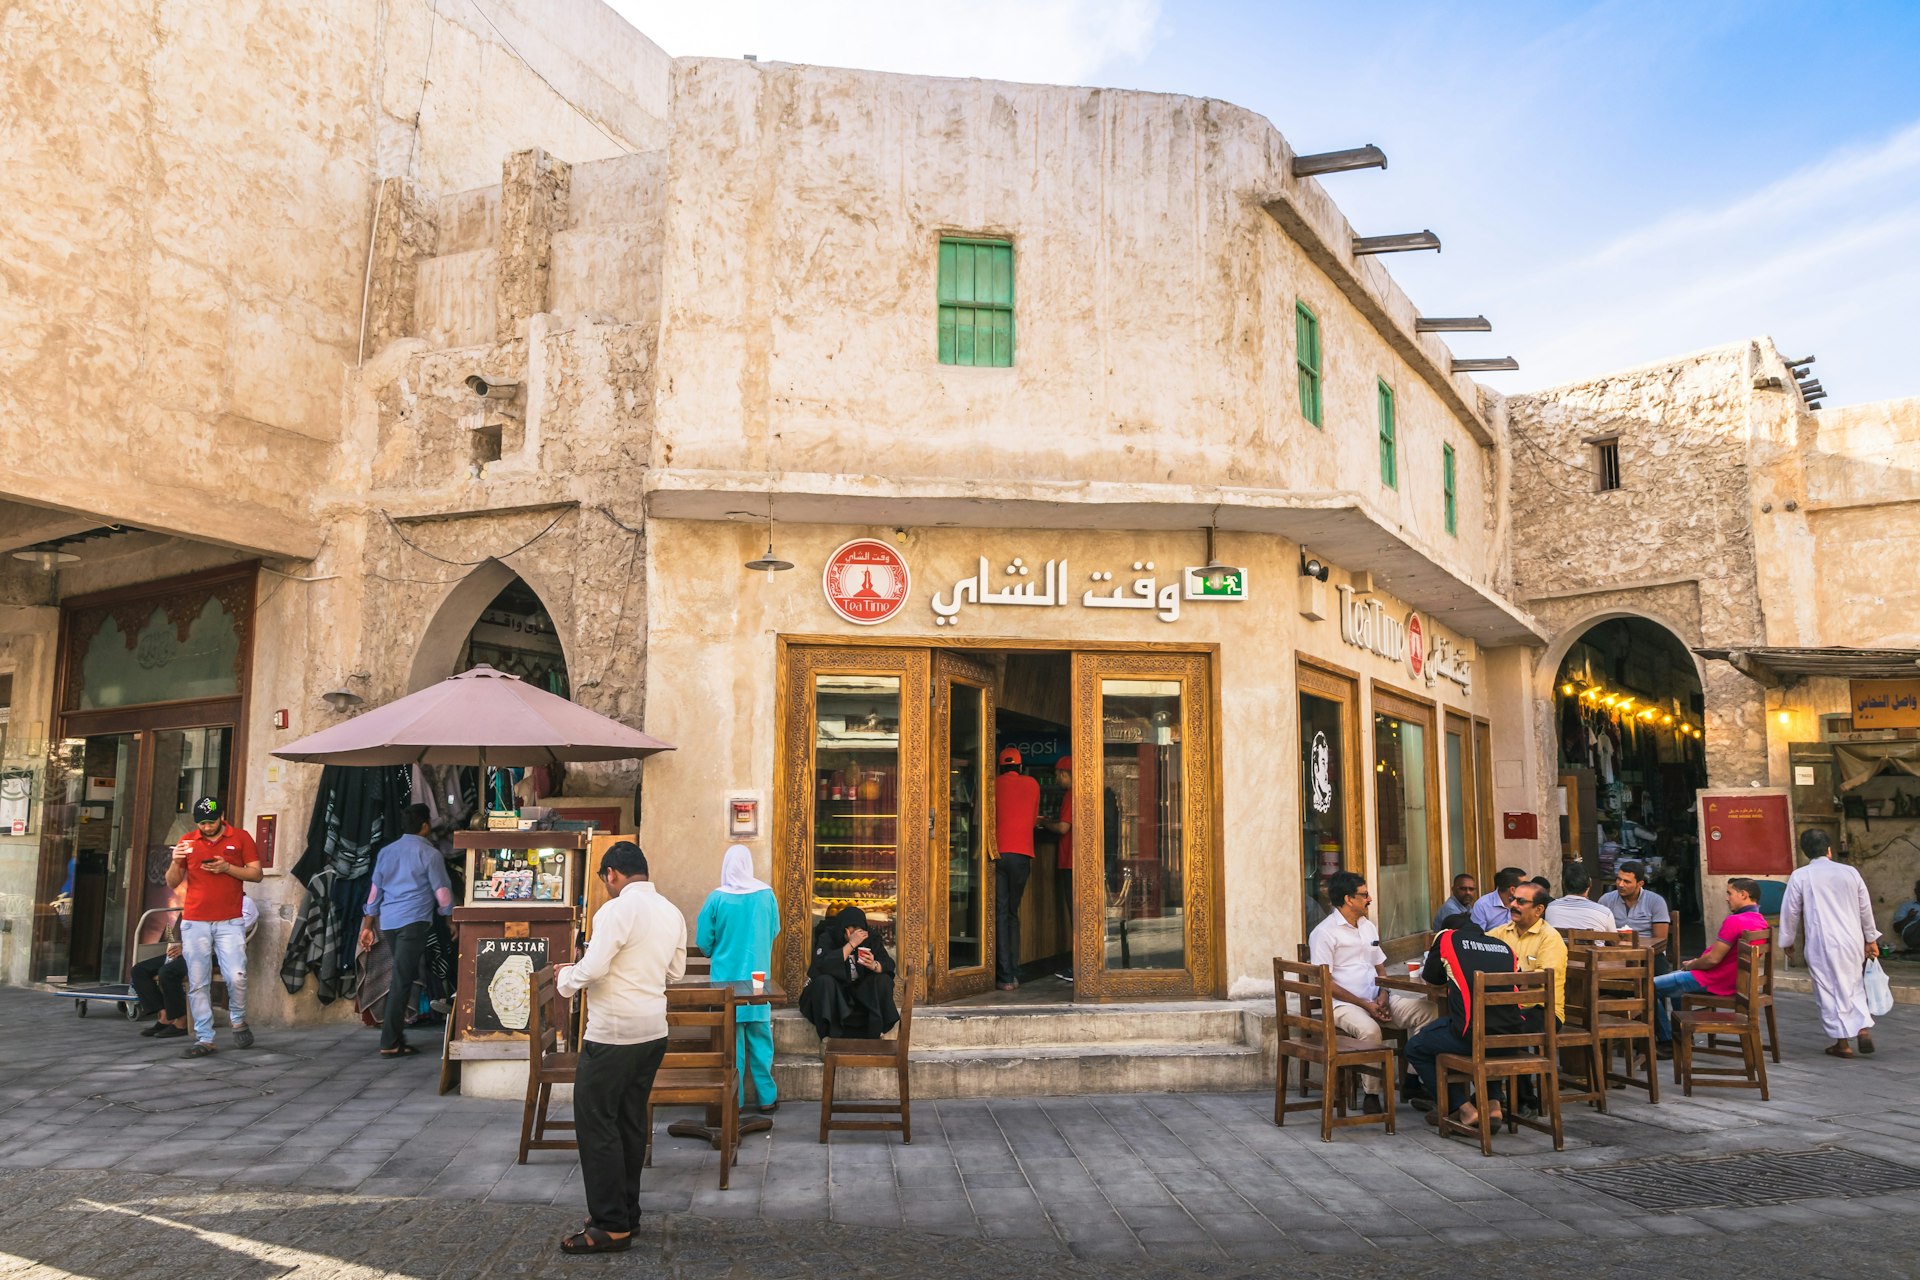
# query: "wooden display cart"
[[521, 913], [493, 931]]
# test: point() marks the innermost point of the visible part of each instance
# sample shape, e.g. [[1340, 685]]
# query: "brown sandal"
[[1840, 1049]]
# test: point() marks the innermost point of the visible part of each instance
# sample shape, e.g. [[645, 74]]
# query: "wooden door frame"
[[1452, 721], [1333, 683], [943, 983], [142, 720], [1387, 699], [797, 663], [1202, 790], [1483, 778]]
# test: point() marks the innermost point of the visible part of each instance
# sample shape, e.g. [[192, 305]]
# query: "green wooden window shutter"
[[1389, 465], [976, 302], [1448, 489], [1306, 344]]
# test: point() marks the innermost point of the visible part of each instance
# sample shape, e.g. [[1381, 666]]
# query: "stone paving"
[[309, 1154]]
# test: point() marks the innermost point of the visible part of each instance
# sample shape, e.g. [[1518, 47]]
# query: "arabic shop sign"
[[1019, 585], [1884, 704], [1366, 624]]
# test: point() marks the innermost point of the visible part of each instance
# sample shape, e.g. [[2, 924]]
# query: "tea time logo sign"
[[866, 581], [1366, 624]]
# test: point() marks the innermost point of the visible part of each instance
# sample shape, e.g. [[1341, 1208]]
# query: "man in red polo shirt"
[[213, 861], [1016, 809]]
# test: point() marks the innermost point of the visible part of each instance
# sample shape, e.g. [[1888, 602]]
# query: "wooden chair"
[[1742, 1022], [1506, 1057], [838, 1053], [552, 1058], [1764, 963], [1591, 937], [1671, 947], [1622, 1007], [1577, 1037], [1311, 985], [698, 1069], [1397, 952]]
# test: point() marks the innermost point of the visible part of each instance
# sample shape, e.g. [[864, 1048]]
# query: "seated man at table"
[[1349, 945], [1577, 909], [1455, 956], [1491, 911], [1716, 971], [1537, 945], [1636, 907]]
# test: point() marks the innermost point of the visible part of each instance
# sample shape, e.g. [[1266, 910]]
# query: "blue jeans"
[[1668, 989], [1427, 1044], [200, 940]]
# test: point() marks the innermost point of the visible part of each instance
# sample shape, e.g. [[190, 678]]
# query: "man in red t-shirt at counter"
[[1016, 809], [213, 861]]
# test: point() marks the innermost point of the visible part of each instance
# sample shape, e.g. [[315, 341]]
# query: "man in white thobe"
[[1829, 914]]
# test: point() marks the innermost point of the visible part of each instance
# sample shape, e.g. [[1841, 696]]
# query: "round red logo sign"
[[1416, 646], [866, 581]]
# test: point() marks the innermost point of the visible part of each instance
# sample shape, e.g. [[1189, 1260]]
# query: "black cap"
[[206, 809]]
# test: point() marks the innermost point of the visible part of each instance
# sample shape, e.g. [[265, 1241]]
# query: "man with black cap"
[[1016, 810], [213, 861]]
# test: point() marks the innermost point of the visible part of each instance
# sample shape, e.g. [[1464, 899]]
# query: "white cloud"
[[1822, 259], [1046, 41]]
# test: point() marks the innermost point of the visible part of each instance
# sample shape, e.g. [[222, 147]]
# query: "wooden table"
[[743, 993], [1414, 986]]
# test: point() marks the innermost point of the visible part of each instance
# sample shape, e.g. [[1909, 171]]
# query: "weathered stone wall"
[[1154, 299], [184, 280], [1674, 543]]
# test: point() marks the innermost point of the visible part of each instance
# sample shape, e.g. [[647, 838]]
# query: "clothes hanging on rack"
[[355, 812]]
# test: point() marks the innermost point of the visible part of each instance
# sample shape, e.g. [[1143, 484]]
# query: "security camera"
[[491, 390]]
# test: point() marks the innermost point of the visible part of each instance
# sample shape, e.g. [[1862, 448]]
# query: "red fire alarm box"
[[1521, 826]]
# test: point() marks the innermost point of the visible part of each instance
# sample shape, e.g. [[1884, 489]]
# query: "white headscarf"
[[736, 872]]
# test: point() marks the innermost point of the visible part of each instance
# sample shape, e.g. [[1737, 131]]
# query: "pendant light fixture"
[[770, 562], [45, 559]]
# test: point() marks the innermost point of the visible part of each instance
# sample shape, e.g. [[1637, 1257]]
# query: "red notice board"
[[1746, 833]]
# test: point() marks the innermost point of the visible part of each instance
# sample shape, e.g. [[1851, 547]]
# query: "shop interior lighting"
[[1367, 157], [1453, 324], [1401, 242], [1566, 690]]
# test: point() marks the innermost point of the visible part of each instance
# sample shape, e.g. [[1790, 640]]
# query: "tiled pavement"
[[360, 1169]]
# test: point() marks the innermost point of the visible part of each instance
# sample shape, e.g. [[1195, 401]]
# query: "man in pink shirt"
[[1715, 972]]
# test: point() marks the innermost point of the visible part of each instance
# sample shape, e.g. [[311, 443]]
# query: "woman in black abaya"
[[849, 991]]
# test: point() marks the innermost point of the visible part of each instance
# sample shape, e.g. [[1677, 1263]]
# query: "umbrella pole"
[[485, 806]]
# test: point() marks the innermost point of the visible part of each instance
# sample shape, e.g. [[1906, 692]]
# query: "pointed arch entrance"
[[495, 616]]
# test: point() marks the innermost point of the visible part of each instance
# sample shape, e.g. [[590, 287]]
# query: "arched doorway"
[[1629, 724], [515, 633], [493, 616]]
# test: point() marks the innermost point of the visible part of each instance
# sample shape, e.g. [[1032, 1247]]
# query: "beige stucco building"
[[734, 303]]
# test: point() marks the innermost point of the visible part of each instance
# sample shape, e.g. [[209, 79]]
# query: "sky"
[[1613, 183]]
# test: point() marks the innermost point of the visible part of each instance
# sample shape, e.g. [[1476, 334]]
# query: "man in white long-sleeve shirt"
[[1829, 915], [639, 945]]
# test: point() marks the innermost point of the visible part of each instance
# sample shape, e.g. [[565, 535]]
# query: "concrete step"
[[1045, 1070], [1017, 1026]]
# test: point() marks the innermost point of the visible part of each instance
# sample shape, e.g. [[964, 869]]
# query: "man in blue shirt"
[[1496, 908], [409, 882]]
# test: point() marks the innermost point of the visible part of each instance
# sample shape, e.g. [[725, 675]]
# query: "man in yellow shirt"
[[1536, 945]]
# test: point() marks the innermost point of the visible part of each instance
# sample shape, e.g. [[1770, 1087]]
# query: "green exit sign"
[[1216, 582]]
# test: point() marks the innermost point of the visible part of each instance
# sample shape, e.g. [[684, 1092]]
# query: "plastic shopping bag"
[[1879, 990]]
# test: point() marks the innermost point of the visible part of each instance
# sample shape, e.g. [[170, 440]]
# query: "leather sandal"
[[594, 1240]]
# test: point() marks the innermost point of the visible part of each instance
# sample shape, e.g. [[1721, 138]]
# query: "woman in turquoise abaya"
[[736, 929]]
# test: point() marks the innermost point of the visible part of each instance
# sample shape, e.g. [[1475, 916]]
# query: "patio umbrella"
[[480, 717]]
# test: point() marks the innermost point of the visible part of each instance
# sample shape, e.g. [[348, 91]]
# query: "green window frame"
[[975, 302], [1389, 462], [1306, 348], [1449, 491]]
